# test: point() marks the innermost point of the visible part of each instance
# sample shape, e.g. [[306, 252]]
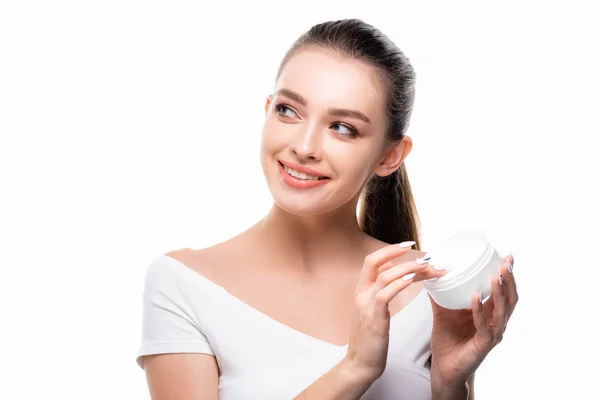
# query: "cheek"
[[353, 157], [358, 176], [351, 169], [273, 134]]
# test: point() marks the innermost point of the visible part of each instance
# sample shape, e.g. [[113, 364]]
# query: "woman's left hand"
[[461, 339]]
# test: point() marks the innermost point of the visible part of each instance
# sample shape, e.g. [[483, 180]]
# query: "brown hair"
[[388, 210]]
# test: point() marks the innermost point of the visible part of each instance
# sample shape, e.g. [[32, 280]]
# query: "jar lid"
[[461, 254]]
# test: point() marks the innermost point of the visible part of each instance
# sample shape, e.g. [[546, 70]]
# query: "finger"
[[385, 295], [421, 260], [488, 307], [500, 315], [399, 277], [374, 260], [411, 271], [510, 286], [479, 318], [385, 267]]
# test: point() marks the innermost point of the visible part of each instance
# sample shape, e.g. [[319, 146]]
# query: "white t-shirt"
[[259, 357]]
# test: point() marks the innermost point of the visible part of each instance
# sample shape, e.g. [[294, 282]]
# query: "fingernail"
[[409, 243], [408, 277], [512, 258], [509, 266], [439, 267], [500, 280], [423, 260]]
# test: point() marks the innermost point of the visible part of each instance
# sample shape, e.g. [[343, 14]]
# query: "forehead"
[[328, 78]]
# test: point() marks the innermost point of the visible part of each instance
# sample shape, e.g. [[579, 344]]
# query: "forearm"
[[342, 382], [456, 393]]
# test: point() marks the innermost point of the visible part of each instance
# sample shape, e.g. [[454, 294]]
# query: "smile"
[[301, 175], [298, 179]]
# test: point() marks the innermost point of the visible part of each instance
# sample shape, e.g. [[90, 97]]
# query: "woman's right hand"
[[380, 281]]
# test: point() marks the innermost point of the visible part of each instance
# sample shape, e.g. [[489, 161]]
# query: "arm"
[[345, 382], [465, 392], [190, 376], [342, 382], [176, 356], [183, 376], [471, 384], [380, 281]]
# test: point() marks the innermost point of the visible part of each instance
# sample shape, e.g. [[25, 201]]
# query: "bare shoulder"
[[215, 262], [196, 259]]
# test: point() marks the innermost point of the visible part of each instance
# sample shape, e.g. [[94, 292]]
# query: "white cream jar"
[[471, 263]]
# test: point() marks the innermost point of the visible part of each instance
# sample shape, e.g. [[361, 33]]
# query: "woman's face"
[[327, 114]]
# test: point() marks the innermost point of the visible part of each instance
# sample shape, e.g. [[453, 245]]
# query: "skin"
[[311, 238]]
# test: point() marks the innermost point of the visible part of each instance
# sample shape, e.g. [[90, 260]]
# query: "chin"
[[298, 204], [307, 204]]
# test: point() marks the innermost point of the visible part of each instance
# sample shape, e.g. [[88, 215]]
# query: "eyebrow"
[[337, 112]]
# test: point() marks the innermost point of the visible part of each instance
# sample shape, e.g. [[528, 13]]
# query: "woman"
[[311, 303]]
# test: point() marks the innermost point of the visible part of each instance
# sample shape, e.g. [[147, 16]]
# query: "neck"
[[310, 243]]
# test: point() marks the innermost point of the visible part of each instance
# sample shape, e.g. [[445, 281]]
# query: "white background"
[[131, 128]]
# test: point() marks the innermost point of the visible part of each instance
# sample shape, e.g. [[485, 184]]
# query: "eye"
[[350, 131], [282, 109]]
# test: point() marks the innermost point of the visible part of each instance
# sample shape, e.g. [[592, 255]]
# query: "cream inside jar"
[[471, 263]]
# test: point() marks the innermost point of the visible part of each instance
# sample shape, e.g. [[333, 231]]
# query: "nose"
[[307, 143]]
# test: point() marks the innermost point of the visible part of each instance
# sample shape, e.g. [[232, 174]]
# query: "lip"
[[299, 183], [302, 169]]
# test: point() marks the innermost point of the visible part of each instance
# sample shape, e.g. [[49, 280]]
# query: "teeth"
[[300, 175]]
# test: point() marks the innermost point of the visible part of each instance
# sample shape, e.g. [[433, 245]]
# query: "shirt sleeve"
[[170, 323]]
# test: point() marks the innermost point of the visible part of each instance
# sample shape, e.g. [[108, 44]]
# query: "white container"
[[471, 263]]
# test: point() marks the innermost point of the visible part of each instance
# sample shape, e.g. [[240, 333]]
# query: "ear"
[[394, 157], [268, 103]]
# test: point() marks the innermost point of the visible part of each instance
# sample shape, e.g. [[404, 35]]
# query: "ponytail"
[[388, 211]]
